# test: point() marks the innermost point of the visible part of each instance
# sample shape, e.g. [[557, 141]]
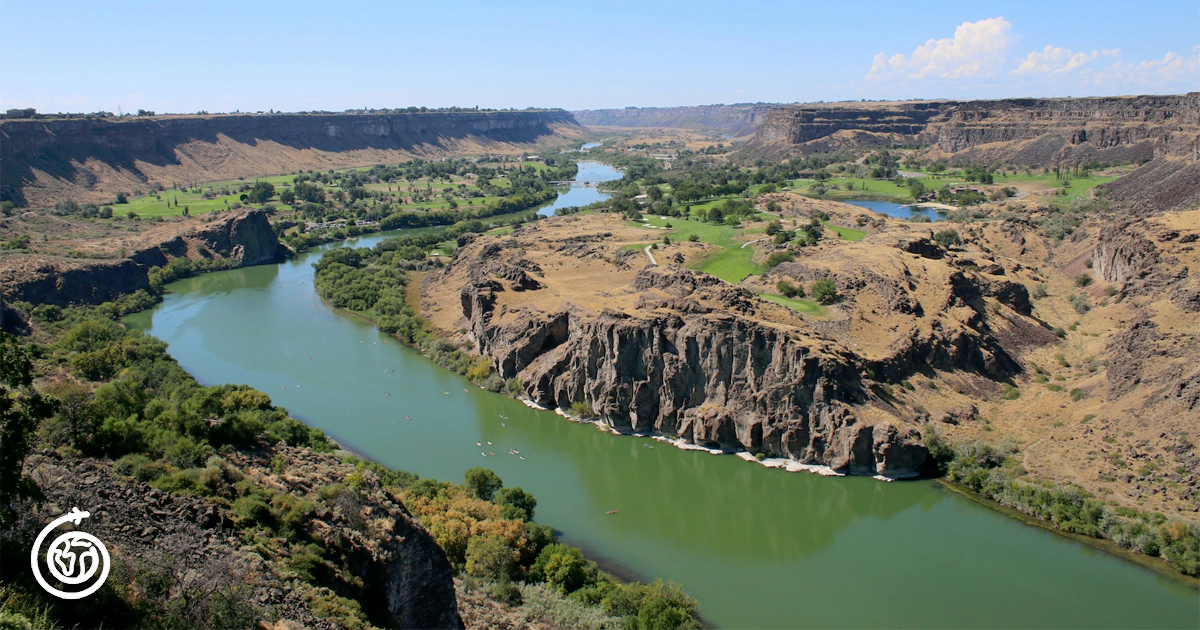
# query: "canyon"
[[43, 161]]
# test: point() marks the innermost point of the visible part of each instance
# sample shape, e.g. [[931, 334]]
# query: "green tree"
[[515, 503], [563, 568], [482, 483], [22, 408], [490, 557], [825, 291], [916, 189]]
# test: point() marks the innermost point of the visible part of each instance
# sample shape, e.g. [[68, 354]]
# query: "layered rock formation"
[[42, 161], [403, 577], [1022, 132], [239, 238], [735, 120], [674, 352]]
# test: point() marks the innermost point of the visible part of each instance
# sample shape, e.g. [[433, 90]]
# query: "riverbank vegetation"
[[84, 387], [995, 473]]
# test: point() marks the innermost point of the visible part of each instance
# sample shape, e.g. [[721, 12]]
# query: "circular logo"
[[73, 558]]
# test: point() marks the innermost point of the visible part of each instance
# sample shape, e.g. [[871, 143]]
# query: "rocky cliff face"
[[735, 120], [403, 578], [674, 352], [241, 238], [1026, 132], [43, 160]]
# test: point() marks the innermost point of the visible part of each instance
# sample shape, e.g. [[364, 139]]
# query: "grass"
[[156, 204], [732, 263], [846, 234], [803, 306]]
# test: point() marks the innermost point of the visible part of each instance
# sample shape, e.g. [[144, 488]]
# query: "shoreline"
[[1156, 564]]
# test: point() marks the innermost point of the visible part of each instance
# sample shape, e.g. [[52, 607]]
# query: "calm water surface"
[[585, 193], [759, 548], [899, 211]]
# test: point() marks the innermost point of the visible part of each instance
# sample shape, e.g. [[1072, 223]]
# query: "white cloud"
[[977, 49], [1172, 70], [1058, 60]]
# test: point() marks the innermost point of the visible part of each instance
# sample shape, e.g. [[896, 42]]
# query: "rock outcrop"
[[674, 352], [1023, 132], [240, 238], [402, 578], [42, 161], [735, 120]]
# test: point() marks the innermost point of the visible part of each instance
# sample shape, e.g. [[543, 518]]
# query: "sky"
[[216, 56]]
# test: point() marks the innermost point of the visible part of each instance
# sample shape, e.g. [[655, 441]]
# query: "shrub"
[[1083, 280], [1077, 394], [778, 258], [789, 290], [947, 238], [1081, 304], [825, 291], [582, 409], [1009, 392]]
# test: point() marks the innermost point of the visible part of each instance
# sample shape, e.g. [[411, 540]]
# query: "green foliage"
[[825, 291], [491, 557], [1083, 280], [563, 568], [994, 471], [516, 504], [948, 238], [778, 258], [482, 483], [22, 408], [1009, 392], [789, 290]]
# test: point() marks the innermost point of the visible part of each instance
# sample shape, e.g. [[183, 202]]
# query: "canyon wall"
[[44, 160], [735, 120], [235, 239], [1023, 132]]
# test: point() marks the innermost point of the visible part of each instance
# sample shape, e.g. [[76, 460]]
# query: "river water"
[[900, 211], [759, 548], [581, 194]]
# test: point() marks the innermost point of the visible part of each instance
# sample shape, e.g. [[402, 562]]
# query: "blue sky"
[[291, 56]]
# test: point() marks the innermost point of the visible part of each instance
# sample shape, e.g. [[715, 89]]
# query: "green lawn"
[[803, 306], [847, 234], [731, 263]]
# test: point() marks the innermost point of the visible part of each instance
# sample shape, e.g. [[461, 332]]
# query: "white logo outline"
[[55, 557]]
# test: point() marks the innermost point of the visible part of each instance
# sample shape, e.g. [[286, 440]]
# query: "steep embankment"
[[1023, 132], [735, 120], [669, 351], [1015, 132], [123, 263], [197, 544], [43, 161]]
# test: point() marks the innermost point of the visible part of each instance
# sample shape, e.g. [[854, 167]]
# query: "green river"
[[759, 548]]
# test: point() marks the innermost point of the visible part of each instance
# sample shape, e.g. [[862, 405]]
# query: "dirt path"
[[757, 240], [652, 261]]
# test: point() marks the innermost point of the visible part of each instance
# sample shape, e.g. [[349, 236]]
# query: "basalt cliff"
[[1022, 132], [43, 161], [735, 120], [581, 324], [118, 262], [1033, 133]]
